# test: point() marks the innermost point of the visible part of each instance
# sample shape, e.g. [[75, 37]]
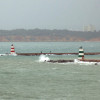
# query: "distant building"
[[89, 28]]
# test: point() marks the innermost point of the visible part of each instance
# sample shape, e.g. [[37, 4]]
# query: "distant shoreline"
[[47, 35]]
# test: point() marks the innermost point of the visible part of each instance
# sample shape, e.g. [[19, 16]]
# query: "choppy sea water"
[[26, 78]]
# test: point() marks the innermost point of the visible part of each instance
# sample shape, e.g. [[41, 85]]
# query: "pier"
[[60, 61], [67, 61], [38, 54]]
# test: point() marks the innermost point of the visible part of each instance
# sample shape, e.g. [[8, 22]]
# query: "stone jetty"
[[37, 54]]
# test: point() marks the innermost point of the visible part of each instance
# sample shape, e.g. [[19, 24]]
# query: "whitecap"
[[43, 58], [76, 61]]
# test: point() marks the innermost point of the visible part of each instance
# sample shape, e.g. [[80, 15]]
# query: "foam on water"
[[13, 54], [3, 54], [8, 54], [76, 61], [43, 58]]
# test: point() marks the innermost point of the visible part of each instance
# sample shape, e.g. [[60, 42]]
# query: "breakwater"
[[60, 61], [90, 60], [37, 54], [79, 61]]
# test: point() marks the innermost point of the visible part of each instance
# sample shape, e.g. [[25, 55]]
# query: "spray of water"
[[43, 58], [2, 54], [76, 61]]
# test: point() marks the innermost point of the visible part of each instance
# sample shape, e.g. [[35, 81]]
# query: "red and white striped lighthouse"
[[12, 50]]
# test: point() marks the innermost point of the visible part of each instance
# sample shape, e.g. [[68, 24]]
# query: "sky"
[[49, 14]]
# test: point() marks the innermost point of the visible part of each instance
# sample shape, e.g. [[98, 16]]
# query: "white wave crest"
[[2, 54], [76, 61], [8, 54], [43, 58]]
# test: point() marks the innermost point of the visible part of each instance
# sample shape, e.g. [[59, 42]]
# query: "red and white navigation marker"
[[12, 52]]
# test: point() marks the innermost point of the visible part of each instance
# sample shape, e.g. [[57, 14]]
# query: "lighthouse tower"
[[12, 50], [81, 54]]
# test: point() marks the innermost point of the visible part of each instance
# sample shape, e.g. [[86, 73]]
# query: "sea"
[[30, 78]]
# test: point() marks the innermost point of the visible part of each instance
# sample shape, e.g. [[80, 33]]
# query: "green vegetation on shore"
[[43, 35]]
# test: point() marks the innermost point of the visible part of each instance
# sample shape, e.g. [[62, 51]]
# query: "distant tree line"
[[48, 35]]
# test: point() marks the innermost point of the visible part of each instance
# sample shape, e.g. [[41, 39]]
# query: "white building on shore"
[[89, 28]]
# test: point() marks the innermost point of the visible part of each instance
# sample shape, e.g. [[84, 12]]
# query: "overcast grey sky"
[[49, 14]]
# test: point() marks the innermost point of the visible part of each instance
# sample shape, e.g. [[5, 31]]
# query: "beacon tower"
[[12, 50], [81, 54]]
